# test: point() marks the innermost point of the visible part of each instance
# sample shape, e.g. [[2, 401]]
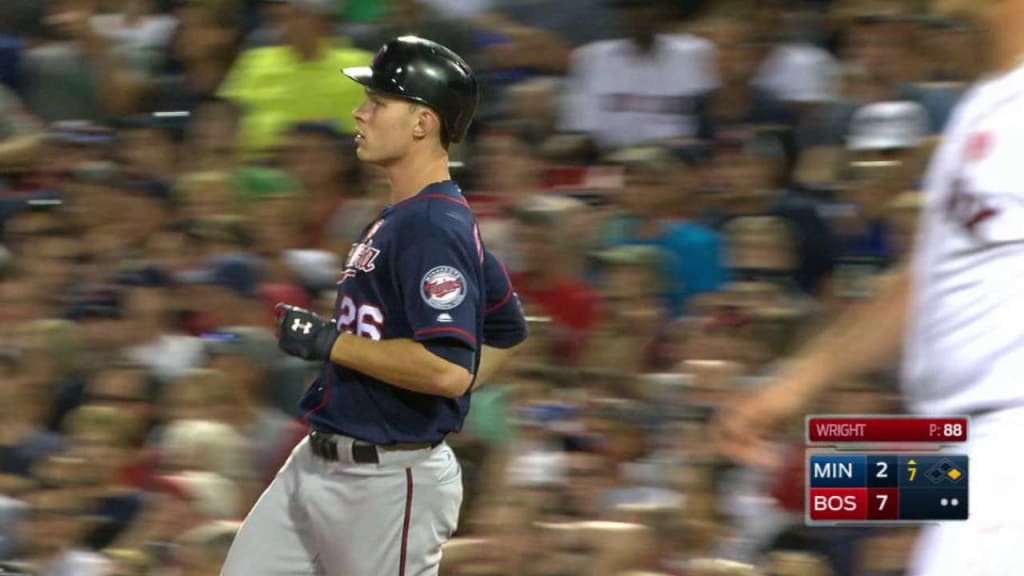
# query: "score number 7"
[[884, 499]]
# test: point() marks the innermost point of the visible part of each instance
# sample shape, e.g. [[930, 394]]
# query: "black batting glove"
[[305, 334]]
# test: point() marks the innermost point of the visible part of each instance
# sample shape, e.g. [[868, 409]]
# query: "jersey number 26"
[[364, 321]]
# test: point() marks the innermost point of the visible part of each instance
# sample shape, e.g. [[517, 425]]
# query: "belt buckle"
[[364, 453], [324, 446]]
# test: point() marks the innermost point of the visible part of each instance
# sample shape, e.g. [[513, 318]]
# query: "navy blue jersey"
[[504, 323], [416, 272]]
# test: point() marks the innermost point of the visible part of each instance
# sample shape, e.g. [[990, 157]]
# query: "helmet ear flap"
[[446, 140], [442, 128]]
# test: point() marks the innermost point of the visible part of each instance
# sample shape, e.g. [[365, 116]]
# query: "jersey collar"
[[445, 189]]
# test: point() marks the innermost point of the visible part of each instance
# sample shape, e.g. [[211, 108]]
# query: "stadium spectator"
[[319, 158], [738, 102], [510, 173], [548, 281], [248, 357], [202, 49], [627, 336], [653, 210], [96, 81], [278, 86], [884, 138], [749, 167], [642, 87]]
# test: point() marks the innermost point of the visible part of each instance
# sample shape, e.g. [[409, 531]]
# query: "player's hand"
[[304, 334], [745, 430]]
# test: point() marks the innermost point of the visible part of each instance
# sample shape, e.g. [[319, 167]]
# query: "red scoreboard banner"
[[886, 429]]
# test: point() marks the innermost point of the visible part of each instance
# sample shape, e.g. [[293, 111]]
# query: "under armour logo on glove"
[[308, 336], [297, 325]]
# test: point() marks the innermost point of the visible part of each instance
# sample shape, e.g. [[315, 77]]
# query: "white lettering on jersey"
[[365, 320], [362, 255]]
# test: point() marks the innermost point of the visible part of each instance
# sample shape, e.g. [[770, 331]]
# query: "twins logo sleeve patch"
[[443, 287]]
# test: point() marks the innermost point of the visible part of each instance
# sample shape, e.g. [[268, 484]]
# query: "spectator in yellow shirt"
[[279, 86]]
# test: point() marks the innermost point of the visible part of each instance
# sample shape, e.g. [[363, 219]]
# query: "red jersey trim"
[[450, 329]]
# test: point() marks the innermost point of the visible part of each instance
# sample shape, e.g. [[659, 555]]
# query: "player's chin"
[[365, 153], [375, 157]]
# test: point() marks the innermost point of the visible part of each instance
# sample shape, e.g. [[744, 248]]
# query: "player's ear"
[[427, 123]]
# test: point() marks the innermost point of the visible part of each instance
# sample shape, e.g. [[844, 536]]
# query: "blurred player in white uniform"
[[956, 315]]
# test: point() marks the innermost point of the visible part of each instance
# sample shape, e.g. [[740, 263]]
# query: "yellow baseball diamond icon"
[[954, 474]]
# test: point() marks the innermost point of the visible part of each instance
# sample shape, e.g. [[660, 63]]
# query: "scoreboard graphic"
[[875, 469]]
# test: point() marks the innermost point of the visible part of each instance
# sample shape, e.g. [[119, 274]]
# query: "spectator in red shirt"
[[550, 284]]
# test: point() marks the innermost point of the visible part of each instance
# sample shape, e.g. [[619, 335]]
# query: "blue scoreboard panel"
[[861, 487]]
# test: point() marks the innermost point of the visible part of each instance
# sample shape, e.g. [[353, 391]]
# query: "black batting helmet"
[[424, 71]]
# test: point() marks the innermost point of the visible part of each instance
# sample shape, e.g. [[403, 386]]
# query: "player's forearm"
[[491, 360], [865, 338], [403, 363]]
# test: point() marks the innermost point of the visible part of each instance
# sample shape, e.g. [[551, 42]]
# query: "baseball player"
[[424, 314], [956, 314]]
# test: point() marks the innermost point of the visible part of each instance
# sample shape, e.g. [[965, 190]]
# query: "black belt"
[[325, 446]]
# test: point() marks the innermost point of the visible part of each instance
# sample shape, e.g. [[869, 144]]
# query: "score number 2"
[[883, 470]]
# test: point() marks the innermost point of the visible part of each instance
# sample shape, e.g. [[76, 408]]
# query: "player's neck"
[[414, 173]]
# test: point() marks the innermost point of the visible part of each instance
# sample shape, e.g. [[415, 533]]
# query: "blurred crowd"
[[683, 192]]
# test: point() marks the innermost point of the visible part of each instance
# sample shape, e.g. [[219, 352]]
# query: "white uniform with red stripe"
[[964, 349]]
